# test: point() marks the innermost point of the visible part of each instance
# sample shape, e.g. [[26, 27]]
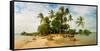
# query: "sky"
[[26, 15]]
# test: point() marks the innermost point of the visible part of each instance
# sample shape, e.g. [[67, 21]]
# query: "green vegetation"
[[80, 22], [57, 22], [84, 32], [30, 34]]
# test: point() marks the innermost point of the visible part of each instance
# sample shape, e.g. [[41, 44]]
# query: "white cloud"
[[85, 11], [28, 21]]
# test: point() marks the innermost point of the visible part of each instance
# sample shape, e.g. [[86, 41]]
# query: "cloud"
[[27, 20], [53, 6], [87, 12], [19, 7], [26, 15]]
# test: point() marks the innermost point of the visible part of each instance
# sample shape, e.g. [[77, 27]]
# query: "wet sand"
[[40, 42]]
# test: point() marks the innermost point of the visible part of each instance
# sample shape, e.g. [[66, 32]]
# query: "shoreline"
[[40, 42]]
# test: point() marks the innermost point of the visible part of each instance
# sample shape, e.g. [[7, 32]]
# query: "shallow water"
[[91, 39]]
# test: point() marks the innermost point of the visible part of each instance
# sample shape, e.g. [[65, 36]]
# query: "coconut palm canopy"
[[29, 17]]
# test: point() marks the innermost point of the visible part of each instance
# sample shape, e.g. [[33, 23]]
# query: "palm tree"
[[65, 19], [40, 15], [80, 21], [46, 20], [51, 14], [63, 13], [44, 24], [56, 26], [43, 29], [70, 18], [61, 10], [67, 11]]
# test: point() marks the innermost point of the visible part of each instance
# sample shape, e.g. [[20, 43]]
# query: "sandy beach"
[[40, 42]]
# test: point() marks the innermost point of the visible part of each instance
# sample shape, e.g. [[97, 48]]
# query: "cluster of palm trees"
[[57, 22]]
